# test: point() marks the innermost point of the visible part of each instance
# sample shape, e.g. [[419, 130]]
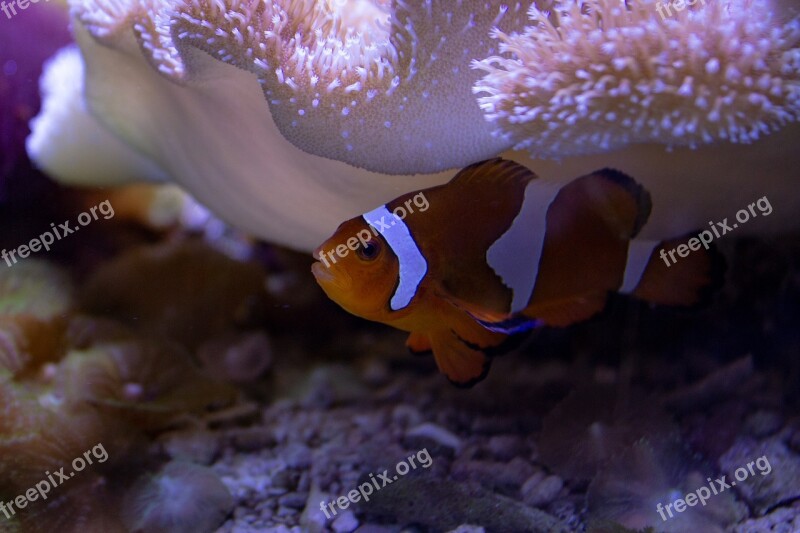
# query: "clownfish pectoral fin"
[[464, 364], [477, 312], [493, 321], [511, 326], [680, 280], [419, 343], [563, 313]]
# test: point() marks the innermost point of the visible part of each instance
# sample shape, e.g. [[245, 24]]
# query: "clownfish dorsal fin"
[[621, 217], [498, 172]]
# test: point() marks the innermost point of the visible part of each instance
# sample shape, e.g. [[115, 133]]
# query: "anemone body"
[[256, 107]]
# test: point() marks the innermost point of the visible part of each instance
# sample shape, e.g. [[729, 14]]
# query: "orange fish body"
[[496, 252]]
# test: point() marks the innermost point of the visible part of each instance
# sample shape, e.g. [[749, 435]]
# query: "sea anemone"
[[388, 87], [147, 383], [595, 423], [704, 100], [371, 72], [605, 74], [629, 489]]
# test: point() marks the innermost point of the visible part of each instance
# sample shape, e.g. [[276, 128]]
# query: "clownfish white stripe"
[[639, 253], [413, 266], [515, 256]]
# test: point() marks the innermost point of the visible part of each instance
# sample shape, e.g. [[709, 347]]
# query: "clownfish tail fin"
[[677, 272]]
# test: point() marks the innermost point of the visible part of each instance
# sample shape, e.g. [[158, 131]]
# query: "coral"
[[148, 383], [37, 438], [157, 207], [70, 383], [185, 292], [34, 288], [238, 358], [26, 343], [35, 299], [180, 498]]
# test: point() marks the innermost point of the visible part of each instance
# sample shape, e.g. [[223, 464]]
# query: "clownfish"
[[498, 251]]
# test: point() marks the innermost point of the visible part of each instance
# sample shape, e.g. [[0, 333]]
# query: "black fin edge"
[[637, 190]]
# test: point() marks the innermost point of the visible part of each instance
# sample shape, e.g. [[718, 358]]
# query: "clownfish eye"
[[370, 251]]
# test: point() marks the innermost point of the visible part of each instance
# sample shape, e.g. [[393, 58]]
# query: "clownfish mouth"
[[327, 278], [322, 273]]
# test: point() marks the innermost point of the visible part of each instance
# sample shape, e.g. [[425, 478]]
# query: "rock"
[[783, 520], [763, 423], [445, 505], [466, 528], [286, 511], [493, 424], [435, 438], [297, 456], [374, 528], [313, 520], [539, 490], [506, 447], [370, 424], [506, 477], [345, 523], [407, 415], [294, 500], [376, 373], [776, 471], [794, 440]]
